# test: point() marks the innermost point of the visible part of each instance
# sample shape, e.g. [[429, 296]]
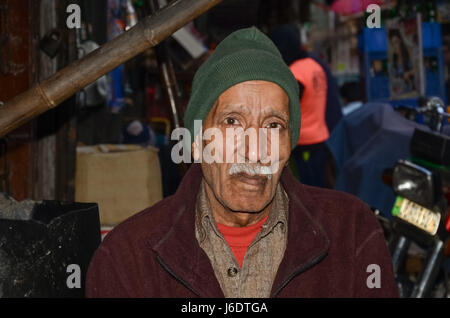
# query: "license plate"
[[417, 215]]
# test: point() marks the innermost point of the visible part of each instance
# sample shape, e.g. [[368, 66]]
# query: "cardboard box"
[[122, 179]]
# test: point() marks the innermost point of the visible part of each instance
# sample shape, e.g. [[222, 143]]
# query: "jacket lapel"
[[307, 241], [176, 245]]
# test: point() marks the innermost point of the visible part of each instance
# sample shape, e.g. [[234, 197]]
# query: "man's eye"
[[231, 121], [274, 126]]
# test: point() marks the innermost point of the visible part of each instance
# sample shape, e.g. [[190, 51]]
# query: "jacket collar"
[[177, 248]]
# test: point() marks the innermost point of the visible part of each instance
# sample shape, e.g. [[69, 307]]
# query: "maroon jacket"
[[332, 238]]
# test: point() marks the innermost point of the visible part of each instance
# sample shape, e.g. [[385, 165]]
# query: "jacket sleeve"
[[103, 278], [373, 265]]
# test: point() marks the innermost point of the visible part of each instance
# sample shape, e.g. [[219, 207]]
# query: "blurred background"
[[383, 72]]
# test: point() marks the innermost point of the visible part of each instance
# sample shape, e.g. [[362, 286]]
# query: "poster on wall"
[[404, 57]]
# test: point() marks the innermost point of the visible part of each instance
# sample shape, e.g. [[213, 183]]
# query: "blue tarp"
[[363, 144]]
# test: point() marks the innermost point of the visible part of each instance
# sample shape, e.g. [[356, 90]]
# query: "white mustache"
[[251, 169]]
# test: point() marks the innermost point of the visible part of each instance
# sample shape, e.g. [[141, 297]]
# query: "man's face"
[[248, 105]]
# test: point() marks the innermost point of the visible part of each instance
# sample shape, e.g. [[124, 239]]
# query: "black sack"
[[38, 245]]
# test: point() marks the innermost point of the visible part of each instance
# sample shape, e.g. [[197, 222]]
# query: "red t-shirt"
[[240, 238]]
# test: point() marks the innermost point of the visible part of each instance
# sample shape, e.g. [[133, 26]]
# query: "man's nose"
[[256, 145]]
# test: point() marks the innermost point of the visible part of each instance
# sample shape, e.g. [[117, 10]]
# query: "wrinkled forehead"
[[252, 98]]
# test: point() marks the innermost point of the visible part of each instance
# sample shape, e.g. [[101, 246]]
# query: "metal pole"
[[399, 253], [54, 90], [429, 271], [167, 73]]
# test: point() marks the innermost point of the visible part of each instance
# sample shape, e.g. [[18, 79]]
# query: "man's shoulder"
[[142, 225], [333, 200], [323, 203], [339, 210]]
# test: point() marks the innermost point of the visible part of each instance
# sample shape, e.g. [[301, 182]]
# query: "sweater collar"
[[177, 247]]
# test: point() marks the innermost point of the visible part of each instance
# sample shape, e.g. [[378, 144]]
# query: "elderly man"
[[245, 229]]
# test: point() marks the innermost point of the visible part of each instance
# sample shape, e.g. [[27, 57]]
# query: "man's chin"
[[246, 204], [246, 209]]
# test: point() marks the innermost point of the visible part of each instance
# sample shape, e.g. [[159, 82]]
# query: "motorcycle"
[[420, 213]]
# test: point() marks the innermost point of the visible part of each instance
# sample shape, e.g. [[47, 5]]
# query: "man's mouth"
[[254, 180]]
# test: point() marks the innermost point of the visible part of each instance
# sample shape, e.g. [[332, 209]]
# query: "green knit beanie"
[[245, 55]]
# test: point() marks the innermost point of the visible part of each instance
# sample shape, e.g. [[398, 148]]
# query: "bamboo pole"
[[63, 84]]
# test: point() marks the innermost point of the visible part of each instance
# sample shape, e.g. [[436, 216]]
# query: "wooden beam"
[[54, 90]]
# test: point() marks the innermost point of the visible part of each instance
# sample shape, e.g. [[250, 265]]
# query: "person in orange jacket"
[[320, 107]]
